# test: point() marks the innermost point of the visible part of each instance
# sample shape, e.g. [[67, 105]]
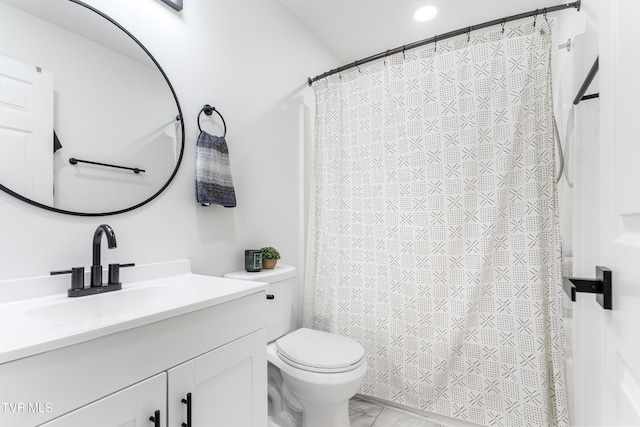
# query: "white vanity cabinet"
[[222, 388], [133, 406], [216, 352]]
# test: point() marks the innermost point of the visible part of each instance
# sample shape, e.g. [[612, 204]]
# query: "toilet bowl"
[[322, 371], [312, 374]]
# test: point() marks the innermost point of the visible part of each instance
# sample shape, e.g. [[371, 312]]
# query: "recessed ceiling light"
[[425, 13]]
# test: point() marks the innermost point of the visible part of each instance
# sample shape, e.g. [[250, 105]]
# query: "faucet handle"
[[114, 272], [77, 276]]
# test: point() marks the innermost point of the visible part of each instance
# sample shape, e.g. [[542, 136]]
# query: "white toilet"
[[312, 374]]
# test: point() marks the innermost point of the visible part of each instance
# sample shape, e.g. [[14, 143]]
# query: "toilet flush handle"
[[271, 296]]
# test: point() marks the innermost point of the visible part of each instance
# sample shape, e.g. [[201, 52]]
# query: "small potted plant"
[[270, 257]]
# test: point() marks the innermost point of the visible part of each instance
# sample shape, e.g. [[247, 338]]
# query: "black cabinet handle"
[[187, 402], [155, 419], [271, 296]]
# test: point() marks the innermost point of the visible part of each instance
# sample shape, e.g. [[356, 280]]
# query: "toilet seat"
[[318, 351]]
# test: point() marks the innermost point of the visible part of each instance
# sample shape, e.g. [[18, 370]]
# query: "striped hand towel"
[[213, 172]]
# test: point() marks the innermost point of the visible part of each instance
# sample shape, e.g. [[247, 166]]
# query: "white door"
[[608, 341], [26, 130], [131, 407], [226, 387]]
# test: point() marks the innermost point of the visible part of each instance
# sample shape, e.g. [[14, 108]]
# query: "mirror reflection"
[[74, 86]]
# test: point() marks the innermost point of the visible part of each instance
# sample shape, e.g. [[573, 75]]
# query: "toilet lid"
[[319, 351]]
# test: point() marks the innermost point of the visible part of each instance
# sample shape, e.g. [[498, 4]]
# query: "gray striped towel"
[[213, 172]]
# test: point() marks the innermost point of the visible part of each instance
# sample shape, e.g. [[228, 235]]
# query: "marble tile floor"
[[367, 414]]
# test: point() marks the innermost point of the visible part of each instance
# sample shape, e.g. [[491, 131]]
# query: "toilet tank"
[[281, 283]]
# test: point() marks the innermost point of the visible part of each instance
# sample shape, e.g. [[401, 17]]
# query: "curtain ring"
[[504, 21], [355, 64], [403, 55], [535, 17], [386, 55], [435, 43], [469, 35], [544, 13]]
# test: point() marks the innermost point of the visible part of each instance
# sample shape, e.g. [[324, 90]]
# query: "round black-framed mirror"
[[150, 126]]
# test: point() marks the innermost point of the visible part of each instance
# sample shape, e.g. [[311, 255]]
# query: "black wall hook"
[[209, 110], [602, 286]]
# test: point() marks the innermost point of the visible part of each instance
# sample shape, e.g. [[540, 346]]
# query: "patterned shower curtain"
[[433, 234]]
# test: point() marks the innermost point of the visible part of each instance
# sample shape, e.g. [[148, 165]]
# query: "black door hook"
[[601, 286]]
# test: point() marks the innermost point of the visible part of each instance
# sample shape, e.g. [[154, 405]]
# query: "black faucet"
[[77, 273], [96, 267]]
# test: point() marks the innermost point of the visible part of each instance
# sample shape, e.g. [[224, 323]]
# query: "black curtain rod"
[[440, 37]]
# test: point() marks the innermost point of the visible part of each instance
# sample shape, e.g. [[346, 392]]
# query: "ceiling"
[[355, 29]]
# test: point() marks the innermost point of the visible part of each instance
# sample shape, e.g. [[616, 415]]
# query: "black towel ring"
[[208, 110]]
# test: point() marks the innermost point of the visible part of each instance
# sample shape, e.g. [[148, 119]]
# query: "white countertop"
[[35, 325]]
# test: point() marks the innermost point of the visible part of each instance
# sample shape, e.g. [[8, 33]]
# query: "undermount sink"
[[109, 306]]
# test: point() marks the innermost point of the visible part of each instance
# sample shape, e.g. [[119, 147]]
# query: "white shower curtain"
[[433, 234]]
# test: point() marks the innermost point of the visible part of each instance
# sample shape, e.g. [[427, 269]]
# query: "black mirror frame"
[[178, 117], [176, 4]]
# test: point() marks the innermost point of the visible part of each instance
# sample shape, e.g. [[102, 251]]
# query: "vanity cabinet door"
[[227, 386], [130, 407]]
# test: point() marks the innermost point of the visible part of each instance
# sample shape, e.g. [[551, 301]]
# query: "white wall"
[[250, 59], [583, 160]]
